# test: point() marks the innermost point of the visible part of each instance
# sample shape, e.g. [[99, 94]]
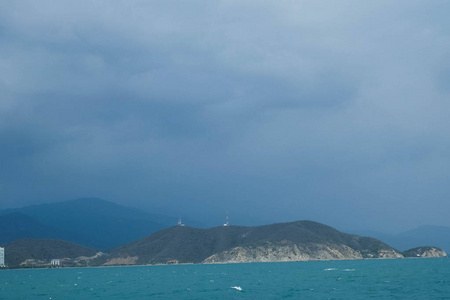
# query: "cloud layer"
[[331, 111]]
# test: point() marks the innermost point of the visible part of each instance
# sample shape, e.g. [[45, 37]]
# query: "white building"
[[55, 263], [2, 257]]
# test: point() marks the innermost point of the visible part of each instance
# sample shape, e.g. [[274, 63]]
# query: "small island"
[[424, 252]]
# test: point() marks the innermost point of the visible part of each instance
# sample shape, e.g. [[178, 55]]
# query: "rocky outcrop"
[[287, 251], [122, 261], [425, 252]]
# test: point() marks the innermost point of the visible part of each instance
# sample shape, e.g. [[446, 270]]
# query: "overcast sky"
[[333, 111]]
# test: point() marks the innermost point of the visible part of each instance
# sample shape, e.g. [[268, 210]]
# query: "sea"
[[415, 278]]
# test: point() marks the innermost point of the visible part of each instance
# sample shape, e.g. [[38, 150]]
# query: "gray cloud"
[[336, 112]]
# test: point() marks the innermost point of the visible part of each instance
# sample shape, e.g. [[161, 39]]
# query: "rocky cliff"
[[287, 251]]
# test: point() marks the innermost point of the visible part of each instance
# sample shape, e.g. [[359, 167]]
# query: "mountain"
[[15, 226], [294, 241], [90, 222], [33, 252]]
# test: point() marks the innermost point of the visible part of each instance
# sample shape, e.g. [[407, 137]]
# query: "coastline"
[[216, 263]]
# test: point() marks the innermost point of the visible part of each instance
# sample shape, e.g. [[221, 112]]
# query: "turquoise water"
[[358, 279]]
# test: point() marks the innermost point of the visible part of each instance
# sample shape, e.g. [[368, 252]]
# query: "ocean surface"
[[356, 279]]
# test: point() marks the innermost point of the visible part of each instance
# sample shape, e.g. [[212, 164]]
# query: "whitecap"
[[348, 270], [330, 269], [238, 288]]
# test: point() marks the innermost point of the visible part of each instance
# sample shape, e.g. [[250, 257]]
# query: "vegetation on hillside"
[[186, 244], [42, 250]]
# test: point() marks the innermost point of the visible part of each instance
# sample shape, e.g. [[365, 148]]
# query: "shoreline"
[[219, 263]]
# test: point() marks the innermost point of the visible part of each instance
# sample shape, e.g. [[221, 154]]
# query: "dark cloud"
[[336, 112]]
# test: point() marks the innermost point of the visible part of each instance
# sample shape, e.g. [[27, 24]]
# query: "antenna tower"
[[226, 223]]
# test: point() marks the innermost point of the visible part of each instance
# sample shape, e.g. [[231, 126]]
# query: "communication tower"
[[226, 223]]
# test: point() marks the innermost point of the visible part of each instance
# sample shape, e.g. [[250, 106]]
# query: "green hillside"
[[193, 245], [42, 251]]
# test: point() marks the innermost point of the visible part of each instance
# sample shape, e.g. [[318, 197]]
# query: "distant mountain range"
[[131, 236], [294, 241], [91, 222]]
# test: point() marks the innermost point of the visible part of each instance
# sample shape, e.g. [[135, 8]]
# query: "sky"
[[332, 111]]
